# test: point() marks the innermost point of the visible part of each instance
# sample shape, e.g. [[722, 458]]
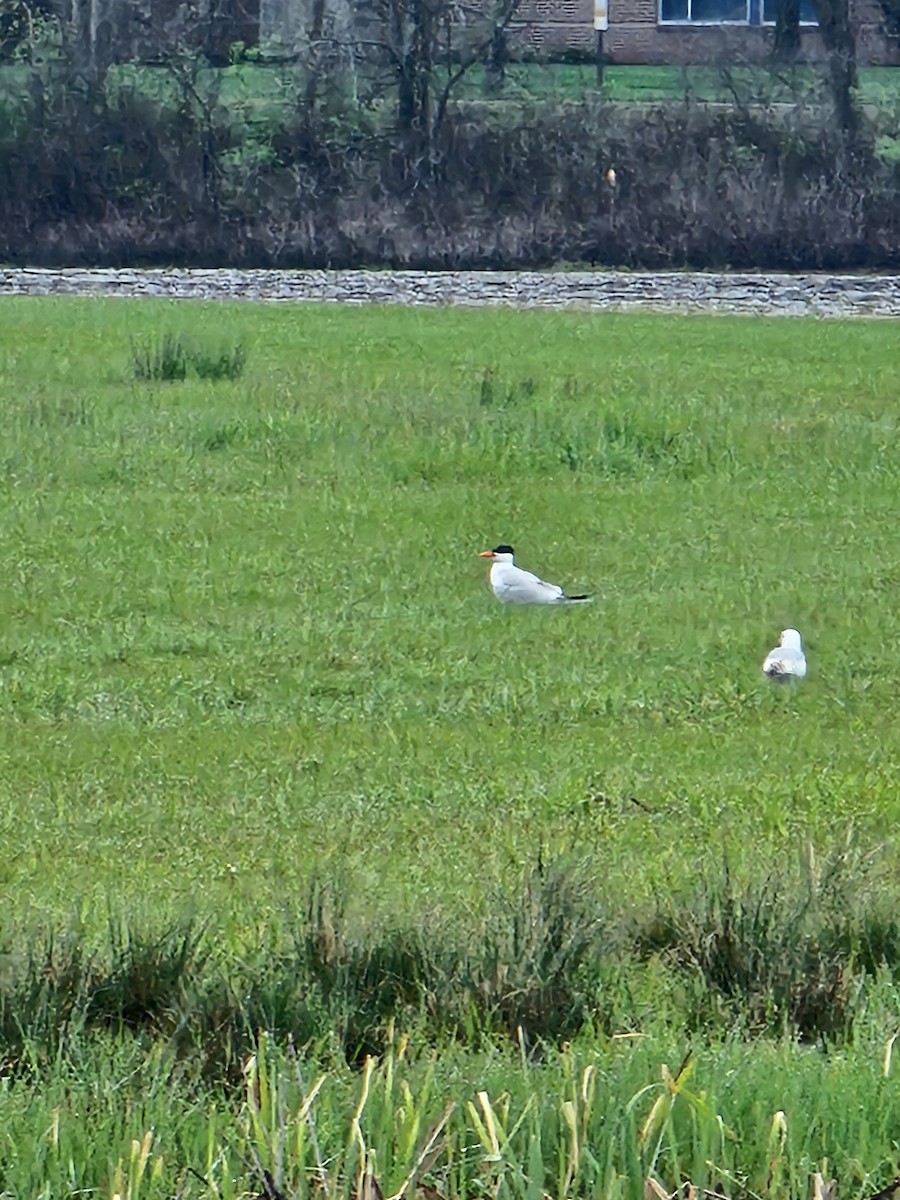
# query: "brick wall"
[[636, 37]]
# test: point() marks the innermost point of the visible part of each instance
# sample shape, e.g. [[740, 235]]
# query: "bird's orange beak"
[[486, 554]]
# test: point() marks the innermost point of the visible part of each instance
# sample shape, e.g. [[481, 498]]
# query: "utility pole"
[[601, 24]]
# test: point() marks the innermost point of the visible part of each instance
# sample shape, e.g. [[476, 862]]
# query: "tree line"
[[381, 150]]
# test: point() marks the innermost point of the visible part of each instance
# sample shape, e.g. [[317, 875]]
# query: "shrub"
[[107, 175]]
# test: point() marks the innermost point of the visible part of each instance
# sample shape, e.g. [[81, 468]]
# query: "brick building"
[[691, 32], [650, 32]]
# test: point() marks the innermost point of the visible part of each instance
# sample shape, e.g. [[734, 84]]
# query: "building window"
[[705, 12], [728, 12], [807, 12]]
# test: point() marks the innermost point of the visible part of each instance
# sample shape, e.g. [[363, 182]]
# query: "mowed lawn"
[[254, 91], [245, 634]]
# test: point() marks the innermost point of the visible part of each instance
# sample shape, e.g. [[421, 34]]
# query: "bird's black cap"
[[503, 550]]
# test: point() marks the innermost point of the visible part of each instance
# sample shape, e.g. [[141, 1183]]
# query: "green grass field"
[[257, 92], [245, 639]]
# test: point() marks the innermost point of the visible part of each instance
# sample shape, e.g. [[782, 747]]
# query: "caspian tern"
[[787, 662], [512, 585]]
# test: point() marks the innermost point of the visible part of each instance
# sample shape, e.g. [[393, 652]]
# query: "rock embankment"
[[675, 291]]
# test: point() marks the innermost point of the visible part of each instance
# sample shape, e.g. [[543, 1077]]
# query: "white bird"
[[512, 585], [786, 662]]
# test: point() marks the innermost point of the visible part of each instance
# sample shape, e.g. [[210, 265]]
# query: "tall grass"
[[787, 956], [603, 1117], [169, 358]]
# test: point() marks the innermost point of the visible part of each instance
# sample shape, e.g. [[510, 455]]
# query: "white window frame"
[[687, 22]]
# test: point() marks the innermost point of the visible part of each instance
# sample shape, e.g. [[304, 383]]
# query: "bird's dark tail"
[[776, 672], [579, 599]]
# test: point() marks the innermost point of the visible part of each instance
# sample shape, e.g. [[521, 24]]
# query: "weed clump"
[[782, 954], [170, 358], [227, 363], [791, 953], [162, 359]]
